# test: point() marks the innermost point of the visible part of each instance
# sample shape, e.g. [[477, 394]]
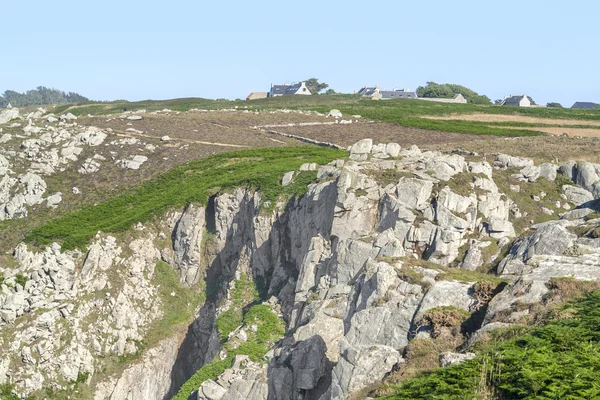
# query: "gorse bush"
[[558, 361], [194, 182]]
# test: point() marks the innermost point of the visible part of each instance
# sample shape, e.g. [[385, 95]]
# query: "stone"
[[360, 367], [68, 117], [531, 173], [54, 200], [187, 243], [133, 164], [513, 162], [393, 149], [576, 194], [92, 136], [550, 238], [474, 257], [499, 228], [548, 171], [298, 370], [414, 192], [448, 358], [287, 178], [308, 167], [210, 390], [335, 113], [165, 138], [134, 117], [8, 114], [361, 149], [89, 167]]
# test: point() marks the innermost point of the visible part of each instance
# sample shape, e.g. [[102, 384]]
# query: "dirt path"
[[513, 118], [134, 134]]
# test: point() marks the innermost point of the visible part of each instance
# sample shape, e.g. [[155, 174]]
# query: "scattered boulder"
[[335, 113], [135, 163], [447, 359], [8, 114], [577, 195]]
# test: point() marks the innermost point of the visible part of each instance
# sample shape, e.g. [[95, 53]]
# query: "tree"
[[330, 91], [448, 90], [315, 86], [39, 96], [554, 105]]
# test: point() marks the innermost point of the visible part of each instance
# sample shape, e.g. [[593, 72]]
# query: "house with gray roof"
[[518, 101], [366, 91], [289, 90], [585, 105], [377, 94], [398, 94]]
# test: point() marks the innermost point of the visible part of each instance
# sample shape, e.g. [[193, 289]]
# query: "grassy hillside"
[[261, 169], [408, 113]]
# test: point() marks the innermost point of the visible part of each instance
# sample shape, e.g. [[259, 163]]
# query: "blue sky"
[[138, 50]]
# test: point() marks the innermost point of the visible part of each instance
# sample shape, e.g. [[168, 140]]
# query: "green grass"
[[179, 303], [557, 361], [194, 182], [408, 113], [270, 329], [244, 293], [455, 274]]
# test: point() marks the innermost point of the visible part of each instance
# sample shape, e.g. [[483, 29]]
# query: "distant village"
[[375, 93]]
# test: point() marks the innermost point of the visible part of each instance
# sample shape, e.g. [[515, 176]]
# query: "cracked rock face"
[[352, 267]]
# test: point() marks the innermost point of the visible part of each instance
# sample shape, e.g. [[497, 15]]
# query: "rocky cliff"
[[387, 247]]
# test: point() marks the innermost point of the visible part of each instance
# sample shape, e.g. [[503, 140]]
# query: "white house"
[[289, 90], [518, 101]]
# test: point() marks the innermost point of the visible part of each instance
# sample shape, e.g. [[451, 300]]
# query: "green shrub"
[[21, 279], [194, 182], [270, 329], [557, 361]]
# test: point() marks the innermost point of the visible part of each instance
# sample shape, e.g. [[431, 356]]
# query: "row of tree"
[[39, 96], [448, 91]]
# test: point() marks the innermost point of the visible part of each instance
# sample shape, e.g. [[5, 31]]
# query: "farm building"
[[257, 95], [377, 94], [289, 90], [585, 105], [518, 101], [458, 99]]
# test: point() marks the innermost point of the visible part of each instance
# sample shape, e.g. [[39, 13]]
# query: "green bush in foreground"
[[558, 361], [261, 169]]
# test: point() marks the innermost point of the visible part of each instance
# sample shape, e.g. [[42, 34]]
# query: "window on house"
[[304, 89]]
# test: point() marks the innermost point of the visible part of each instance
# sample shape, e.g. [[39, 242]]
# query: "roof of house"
[[257, 95], [367, 91], [516, 100], [397, 94], [286, 89], [584, 104]]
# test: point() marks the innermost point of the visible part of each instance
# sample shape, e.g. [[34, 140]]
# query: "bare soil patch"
[[513, 118], [346, 135], [560, 131], [551, 148]]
